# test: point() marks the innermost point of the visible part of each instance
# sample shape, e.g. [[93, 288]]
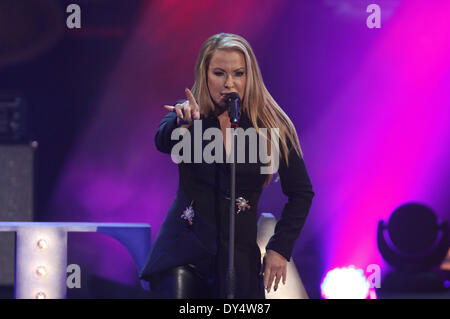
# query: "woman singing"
[[189, 257]]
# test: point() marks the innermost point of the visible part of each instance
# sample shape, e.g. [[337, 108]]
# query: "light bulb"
[[41, 271], [41, 295], [42, 244]]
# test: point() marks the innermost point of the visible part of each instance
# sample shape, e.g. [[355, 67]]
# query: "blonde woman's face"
[[227, 73]]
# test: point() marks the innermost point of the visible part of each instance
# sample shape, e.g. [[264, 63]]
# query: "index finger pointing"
[[192, 103], [169, 108]]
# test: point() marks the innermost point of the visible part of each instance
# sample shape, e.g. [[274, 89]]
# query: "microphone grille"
[[232, 96]]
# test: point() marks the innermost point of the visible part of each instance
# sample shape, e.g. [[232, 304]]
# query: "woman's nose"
[[229, 82]]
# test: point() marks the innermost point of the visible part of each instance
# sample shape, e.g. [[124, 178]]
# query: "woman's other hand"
[[274, 268]]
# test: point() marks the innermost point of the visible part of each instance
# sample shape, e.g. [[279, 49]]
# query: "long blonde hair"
[[257, 102]]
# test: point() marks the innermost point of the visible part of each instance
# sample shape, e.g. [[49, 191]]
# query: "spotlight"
[[414, 243], [345, 283]]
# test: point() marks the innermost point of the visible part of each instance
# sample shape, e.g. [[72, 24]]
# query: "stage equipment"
[[346, 283], [233, 103], [14, 124], [41, 253], [16, 198], [414, 243]]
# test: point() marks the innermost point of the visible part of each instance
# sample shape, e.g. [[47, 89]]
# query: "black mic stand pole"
[[234, 113], [231, 271]]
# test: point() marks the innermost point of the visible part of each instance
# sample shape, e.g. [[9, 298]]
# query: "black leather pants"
[[183, 282]]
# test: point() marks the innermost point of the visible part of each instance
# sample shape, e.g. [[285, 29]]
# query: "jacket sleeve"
[[296, 185], [163, 141]]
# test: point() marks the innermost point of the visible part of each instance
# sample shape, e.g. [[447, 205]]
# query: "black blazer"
[[207, 187]]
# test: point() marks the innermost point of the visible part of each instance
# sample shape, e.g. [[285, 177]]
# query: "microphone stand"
[[233, 111], [231, 278]]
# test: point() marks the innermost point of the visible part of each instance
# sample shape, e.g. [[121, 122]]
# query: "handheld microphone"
[[233, 101]]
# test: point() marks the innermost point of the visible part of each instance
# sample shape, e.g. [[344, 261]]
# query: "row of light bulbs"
[[41, 271]]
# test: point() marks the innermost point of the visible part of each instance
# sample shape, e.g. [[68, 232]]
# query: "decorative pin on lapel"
[[242, 204], [188, 213]]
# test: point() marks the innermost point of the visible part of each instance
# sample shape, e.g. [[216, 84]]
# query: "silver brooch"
[[188, 214], [242, 204]]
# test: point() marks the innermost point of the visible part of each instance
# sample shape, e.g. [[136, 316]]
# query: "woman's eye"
[[218, 73], [240, 73]]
